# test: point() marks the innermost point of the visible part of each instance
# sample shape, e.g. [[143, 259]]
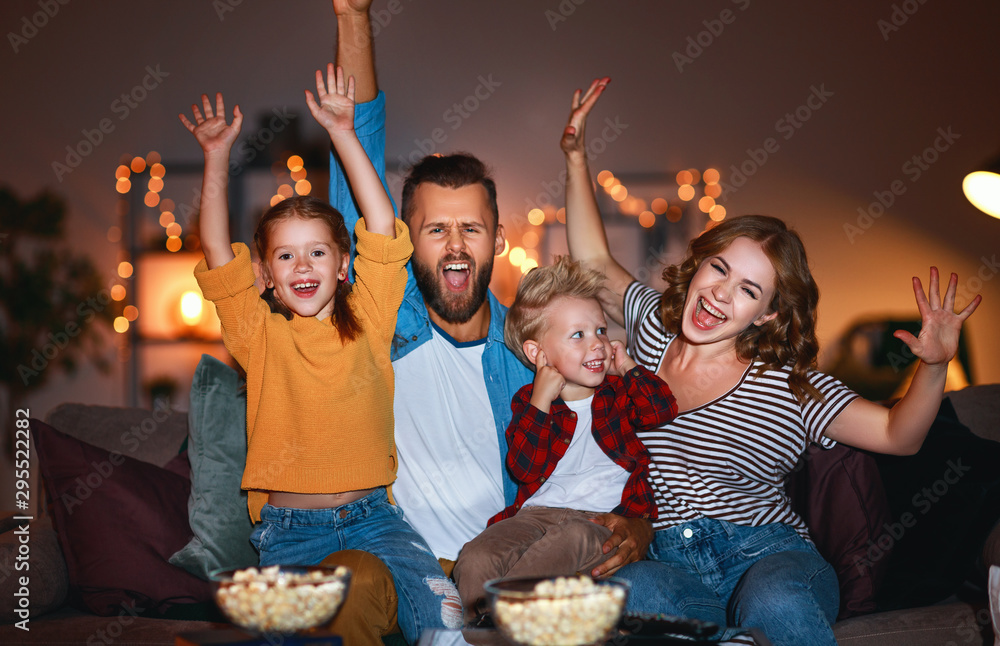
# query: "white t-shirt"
[[448, 484], [585, 478]]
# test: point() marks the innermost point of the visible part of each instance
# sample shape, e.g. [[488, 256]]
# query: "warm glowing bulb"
[[685, 192], [619, 193], [705, 204], [155, 184], [517, 256], [125, 269], [528, 265], [131, 312], [684, 177], [718, 213], [173, 229], [191, 308], [276, 198], [647, 219], [151, 199], [561, 215], [123, 186], [285, 190], [536, 217], [157, 171], [302, 187], [660, 206], [605, 177], [982, 188], [121, 325], [122, 172], [166, 219], [118, 292], [295, 163], [174, 244], [711, 176]]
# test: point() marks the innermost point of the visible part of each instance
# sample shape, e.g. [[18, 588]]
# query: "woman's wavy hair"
[[309, 208], [787, 339]]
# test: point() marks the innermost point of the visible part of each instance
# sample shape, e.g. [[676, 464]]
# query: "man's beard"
[[453, 308]]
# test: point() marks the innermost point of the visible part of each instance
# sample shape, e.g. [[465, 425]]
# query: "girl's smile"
[[304, 266]]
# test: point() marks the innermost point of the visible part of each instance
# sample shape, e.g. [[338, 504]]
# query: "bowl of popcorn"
[[561, 611], [281, 599]]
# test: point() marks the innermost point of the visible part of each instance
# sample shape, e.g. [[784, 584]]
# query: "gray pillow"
[[217, 448]]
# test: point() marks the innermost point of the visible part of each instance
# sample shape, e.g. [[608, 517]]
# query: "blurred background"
[[853, 121]]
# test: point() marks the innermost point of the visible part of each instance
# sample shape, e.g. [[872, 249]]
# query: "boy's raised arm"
[[333, 108], [216, 139]]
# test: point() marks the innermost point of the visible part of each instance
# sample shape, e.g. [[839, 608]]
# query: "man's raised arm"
[[355, 53]]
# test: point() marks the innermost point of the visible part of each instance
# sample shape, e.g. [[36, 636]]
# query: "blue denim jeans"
[[766, 577], [427, 598]]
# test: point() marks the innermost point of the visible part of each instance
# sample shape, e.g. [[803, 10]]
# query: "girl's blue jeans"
[[427, 598], [766, 577]]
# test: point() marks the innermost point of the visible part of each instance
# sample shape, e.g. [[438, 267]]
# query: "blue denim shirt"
[[503, 372]]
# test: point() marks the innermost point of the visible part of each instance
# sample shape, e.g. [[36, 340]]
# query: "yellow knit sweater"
[[319, 412]]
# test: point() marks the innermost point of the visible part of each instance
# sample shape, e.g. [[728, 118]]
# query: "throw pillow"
[[217, 448], [46, 572], [840, 497], [945, 500], [118, 521]]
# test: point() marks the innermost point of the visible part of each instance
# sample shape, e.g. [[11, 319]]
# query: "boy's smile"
[[575, 343]]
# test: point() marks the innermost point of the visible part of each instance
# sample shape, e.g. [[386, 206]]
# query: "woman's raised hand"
[[211, 129], [940, 326], [573, 141], [333, 105]]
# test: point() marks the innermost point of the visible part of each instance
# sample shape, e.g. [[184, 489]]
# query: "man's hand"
[[631, 536], [342, 7]]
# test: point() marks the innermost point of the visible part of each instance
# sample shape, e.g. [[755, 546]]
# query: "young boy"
[[573, 448]]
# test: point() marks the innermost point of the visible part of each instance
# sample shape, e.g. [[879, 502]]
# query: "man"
[[454, 376]]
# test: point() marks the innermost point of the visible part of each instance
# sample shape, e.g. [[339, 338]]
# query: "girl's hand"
[[620, 361], [335, 108], [211, 130], [940, 326], [573, 141]]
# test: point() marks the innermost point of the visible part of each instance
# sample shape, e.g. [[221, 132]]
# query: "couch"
[[103, 551]]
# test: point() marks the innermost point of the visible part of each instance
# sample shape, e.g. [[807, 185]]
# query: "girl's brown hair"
[[787, 339], [310, 208]]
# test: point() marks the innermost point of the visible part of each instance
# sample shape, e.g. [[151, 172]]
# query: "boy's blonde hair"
[[526, 320]]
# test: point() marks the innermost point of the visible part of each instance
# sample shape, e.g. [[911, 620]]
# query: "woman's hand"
[[334, 109], [573, 142], [214, 135], [940, 326]]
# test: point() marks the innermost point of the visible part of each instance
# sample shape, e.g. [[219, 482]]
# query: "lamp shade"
[[982, 188]]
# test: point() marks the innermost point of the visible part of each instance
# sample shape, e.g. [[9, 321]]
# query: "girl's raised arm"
[[334, 110], [584, 227], [216, 138]]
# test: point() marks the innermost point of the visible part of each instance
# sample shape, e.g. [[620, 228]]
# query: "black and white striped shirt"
[[728, 458]]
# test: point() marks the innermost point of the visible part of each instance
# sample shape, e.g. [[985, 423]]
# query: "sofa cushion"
[[47, 581], [118, 520], [840, 497], [217, 446], [151, 436], [945, 501]]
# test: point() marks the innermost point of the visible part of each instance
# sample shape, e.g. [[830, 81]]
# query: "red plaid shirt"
[[621, 405]]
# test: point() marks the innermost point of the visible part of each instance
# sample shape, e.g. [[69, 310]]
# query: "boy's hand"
[[573, 141], [620, 361], [548, 384], [335, 108], [211, 130]]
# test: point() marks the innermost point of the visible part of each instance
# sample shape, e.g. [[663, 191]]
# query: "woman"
[[734, 337]]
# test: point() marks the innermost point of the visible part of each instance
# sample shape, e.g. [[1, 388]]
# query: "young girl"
[[320, 449]]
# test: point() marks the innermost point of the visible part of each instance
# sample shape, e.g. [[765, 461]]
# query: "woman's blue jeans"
[[427, 598], [766, 577]]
